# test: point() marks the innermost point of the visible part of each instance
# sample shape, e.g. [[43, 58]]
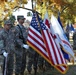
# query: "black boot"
[[9, 73], [22, 73], [29, 71], [16, 74]]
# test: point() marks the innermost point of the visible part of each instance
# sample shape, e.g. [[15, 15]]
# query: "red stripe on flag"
[[65, 42]]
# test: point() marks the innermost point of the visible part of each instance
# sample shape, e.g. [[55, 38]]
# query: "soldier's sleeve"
[[2, 49], [19, 42], [25, 34], [74, 36]]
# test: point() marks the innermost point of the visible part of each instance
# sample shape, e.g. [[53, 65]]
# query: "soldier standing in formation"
[[7, 46], [32, 60], [21, 47], [74, 40]]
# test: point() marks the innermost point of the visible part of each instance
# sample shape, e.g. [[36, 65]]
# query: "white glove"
[[5, 54], [26, 46]]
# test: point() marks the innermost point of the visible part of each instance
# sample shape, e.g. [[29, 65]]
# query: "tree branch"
[[27, 9]]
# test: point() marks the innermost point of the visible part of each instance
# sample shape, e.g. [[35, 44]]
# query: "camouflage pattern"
[[20, 51], [1, 56], [7, 43], [32, 60], [43, 64], [74, 41], [48, 66], [40, 62]]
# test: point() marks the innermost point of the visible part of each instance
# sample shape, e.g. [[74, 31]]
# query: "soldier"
[[7, 46], [74, 40], [21, 46], [32, 60], [1, 56], [40, 62]]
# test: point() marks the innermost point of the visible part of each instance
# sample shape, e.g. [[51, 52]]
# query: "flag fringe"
[[55, 66]]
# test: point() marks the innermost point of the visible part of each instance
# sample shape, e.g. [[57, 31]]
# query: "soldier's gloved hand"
[[5, 54], [26, 46]]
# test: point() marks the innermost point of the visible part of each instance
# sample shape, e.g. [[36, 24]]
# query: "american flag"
[[40, 40], [35, 38]]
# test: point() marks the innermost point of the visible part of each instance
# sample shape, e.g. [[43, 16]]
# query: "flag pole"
[[36, 55]]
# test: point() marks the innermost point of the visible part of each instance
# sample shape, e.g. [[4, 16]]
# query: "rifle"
[[5, 66]]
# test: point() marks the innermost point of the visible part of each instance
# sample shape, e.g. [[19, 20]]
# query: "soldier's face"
[[7, 27], [21, 21]]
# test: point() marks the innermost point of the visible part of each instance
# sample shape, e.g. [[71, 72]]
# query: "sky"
[[24, 11]]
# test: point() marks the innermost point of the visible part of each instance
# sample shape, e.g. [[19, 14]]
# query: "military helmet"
[[7, 22]]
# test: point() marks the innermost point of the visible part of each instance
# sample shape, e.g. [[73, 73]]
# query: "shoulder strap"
[[21, 34], [20, 29]]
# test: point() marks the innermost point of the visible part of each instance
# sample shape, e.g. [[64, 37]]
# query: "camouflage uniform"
[[48, 66], [1, 56], [43, 64], [74, 40], [32, 60], [40, 62], [20, 51], [7, 43]]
